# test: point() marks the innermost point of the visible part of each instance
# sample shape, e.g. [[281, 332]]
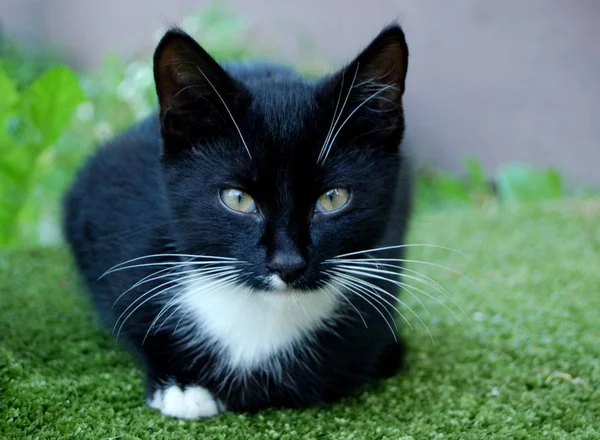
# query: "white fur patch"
[[190, 403], [253, 326]]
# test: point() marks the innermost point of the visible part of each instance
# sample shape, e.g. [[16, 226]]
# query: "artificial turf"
[[522, 363]]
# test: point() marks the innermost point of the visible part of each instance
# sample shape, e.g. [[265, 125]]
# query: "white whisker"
[[341, 278], [176, 282], [171, 263], [400, 284], [421, 278], [339, 292], [327, 146], [400, 246], [379, 289], [376, 291], [219, 283], [160, 292], [191, 256], [150, 278], [163, 310], [228, 111], [349, 116], [369, 272], [330, 132], [399, 260]]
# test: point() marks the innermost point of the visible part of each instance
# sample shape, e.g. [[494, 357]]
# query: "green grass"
[[532, 310]]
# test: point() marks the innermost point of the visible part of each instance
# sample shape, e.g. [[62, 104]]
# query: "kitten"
[[234, 239]]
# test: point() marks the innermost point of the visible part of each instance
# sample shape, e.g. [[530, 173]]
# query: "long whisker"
[[176, 266], [176, 282], [173, 301], [204, 271], [339, 292], [191, 256], [328, 146], [400, 284], [369, 272], [400, 246], [172, 266], [365, 285], [160, 292], [421, 278], [379, 289], [347, 284], [350, 115], [228, 111], [333, 119], [400, 260]]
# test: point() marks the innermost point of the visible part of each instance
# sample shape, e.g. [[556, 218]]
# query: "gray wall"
[[506, 80]]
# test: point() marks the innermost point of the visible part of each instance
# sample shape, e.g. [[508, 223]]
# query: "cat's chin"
[[278, 286]]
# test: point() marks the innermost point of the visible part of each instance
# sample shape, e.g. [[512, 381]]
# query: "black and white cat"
[[244, 242]]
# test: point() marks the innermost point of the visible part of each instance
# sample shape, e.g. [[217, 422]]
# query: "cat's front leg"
[[184, 401]]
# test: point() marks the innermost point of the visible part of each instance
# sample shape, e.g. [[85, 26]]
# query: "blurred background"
[[502, 101]]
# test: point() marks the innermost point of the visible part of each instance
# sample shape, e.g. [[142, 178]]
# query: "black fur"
[[154, 190]]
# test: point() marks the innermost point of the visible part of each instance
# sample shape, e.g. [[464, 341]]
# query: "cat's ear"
[[371, 86], [194, 93]]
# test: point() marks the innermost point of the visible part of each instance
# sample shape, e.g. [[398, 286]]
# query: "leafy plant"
[[522, 183], [514, 182], [22, 65], [116, 95], [31, 121], [121, 93], [438, 189]]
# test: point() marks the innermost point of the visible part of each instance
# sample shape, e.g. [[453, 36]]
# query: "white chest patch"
[[251, 326]]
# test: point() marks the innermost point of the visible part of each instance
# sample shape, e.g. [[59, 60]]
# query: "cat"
[[245, 240]]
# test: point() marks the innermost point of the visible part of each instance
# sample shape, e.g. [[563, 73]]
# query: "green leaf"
[[523, 183], [8, 92], [476, 174], [50, 101]]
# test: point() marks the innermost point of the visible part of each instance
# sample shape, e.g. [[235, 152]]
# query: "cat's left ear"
[[372, 85], [195, 94]]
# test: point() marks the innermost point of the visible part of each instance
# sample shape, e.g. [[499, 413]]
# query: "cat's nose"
[[288, 265]]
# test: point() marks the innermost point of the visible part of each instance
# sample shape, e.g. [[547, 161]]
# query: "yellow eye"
[[332, 200], [238, 200]]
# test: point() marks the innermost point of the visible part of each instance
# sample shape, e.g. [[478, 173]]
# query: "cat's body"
[[245, 310]]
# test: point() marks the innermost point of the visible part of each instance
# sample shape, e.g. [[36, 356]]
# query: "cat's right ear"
[[194, 93]]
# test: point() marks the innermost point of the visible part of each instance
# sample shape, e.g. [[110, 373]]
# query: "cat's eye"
[[332, 200], [238, 200]]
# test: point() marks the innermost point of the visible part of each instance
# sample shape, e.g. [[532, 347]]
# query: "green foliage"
[[514, 182], [116, 95], [523, 183], [31, 121], [23, 66], [121, 93], [438, 189]]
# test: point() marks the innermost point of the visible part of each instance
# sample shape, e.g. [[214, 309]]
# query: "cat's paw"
[[192, 402]]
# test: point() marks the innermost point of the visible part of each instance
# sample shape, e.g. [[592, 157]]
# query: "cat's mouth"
[[278, 285]]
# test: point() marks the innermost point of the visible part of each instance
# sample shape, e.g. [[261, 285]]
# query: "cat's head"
[[275, 170]]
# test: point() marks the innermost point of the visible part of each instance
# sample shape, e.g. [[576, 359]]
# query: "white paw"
[[190, 403]]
